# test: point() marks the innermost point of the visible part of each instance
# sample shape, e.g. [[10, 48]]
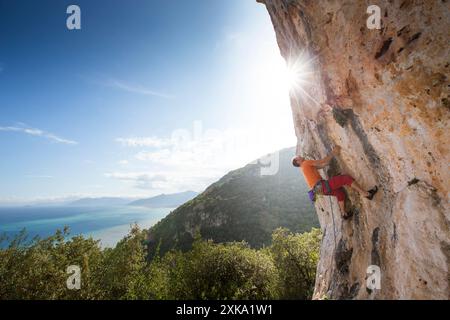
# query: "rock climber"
[[334, 185]]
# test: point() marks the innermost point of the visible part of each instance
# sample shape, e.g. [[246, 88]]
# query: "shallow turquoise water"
[[109, 224]]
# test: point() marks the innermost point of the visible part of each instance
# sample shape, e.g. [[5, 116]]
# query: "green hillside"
[[242, 205]]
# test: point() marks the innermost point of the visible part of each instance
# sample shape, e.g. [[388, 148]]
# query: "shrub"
[[296, 257], [220, 271], [37, 269]]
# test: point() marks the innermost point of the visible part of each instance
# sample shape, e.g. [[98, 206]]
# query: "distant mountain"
[[101, 202], [242, 205], [165, 200]]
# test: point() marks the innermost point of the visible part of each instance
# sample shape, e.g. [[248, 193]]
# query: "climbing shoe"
[[372, 192]]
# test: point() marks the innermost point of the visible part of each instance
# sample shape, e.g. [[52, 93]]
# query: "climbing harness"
[[318, 188]]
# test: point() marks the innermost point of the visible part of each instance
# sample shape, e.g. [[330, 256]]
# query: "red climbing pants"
[[336, 185]]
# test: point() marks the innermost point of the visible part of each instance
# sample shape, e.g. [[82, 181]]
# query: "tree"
[[220, 271], [125, 272], [36, 269], [296, 257]]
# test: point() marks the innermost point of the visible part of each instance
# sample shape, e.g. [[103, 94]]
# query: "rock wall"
[[383, 96]]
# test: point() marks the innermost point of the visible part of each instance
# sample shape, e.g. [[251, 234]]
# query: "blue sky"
[[148, 97]]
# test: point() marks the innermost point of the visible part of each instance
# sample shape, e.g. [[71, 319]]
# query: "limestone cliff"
[[383, 95]]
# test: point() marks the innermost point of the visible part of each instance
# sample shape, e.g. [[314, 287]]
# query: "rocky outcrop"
[[383, 95]]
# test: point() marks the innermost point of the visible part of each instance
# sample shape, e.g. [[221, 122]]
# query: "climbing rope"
[[334, 233], [334, 226]]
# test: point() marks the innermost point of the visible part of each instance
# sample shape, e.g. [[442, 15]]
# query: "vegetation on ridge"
[[37, 269]]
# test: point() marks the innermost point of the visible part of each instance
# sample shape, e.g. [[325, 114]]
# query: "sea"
[[107, 224]]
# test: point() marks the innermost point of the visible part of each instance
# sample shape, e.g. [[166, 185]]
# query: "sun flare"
[[293, 77], [297, 72]]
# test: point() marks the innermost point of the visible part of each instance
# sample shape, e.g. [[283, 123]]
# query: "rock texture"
[[383, 95]]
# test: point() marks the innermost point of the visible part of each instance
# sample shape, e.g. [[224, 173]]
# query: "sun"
[[297, 72], [293, 77]]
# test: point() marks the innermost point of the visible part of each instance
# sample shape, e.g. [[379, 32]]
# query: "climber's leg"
[[342, 207], [358, 188], [346, 180], [341, 180], [340, 195], [368, 194]]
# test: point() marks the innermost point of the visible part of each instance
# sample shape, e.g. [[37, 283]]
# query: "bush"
[[124, 273], [296, 257], [220, 271], [37, 269]]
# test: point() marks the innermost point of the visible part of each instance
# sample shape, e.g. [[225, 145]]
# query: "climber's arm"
[[319, 164]]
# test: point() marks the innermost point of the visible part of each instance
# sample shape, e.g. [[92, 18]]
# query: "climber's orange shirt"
[[312, 175]]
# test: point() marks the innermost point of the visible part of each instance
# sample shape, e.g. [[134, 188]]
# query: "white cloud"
[[136, 89], [167, 181], [111, 82], [144, 142], [123, 162], [211, 149], [135, 176], [159, 156], [38, 133], [142, 180], [94, 186], [193, 159]]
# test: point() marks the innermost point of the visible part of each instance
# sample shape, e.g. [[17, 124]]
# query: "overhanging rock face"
[[383, 96]]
